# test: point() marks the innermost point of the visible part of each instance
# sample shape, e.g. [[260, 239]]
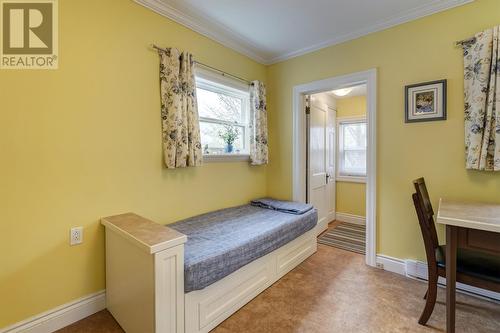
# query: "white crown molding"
[[408, 16], [60, 316], [207, 28], [230, 39]]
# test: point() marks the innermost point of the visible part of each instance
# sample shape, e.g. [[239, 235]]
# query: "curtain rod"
[[465, 41], [212, 68]]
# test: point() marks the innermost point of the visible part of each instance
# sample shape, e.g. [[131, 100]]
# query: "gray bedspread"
[[290, 207], [223, 241]]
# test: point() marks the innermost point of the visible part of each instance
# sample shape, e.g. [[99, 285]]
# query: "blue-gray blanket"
[[223, 241], [290, 207]]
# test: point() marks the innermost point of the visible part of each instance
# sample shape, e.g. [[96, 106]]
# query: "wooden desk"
[[468, 225]]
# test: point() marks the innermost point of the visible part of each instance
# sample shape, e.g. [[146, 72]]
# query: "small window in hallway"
[[352, 148]]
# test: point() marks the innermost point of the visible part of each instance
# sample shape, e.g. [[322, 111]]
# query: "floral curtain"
[[258, 124], [482, 101], [179, 112]]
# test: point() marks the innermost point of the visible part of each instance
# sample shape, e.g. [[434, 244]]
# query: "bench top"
[[152, 237]]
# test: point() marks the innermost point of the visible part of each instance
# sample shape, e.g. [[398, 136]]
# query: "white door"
[[319, 193], [331, 130]]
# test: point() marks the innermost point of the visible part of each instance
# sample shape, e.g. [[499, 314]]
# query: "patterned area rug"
[[346, 236]]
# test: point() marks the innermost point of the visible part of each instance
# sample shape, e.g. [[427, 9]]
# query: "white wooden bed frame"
[[145, 278]]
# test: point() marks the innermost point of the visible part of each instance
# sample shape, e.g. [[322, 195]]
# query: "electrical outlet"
[[76, 236]]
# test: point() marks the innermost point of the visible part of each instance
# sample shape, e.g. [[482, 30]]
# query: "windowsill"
[[226, 158], [351, 179]]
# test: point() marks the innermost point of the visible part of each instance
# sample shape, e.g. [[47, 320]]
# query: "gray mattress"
[[223, 241]]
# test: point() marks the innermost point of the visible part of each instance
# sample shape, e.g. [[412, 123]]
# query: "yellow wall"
[[350, 197], [351, 107], [418, 51], [84, 141]]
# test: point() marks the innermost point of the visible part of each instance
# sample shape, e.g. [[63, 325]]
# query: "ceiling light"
[[342, 92]]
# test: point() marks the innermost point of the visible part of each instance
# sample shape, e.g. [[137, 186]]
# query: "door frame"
[[369, 78]]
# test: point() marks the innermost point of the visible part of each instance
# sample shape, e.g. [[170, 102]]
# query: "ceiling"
[[270, 31], [359, 90]]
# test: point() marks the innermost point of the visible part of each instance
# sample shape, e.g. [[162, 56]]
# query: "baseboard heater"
[[418, 270]]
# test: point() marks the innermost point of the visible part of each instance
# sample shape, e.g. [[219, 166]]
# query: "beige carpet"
[[335, 292]]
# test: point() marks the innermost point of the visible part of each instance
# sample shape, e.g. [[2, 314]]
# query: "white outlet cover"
[[76, 236]]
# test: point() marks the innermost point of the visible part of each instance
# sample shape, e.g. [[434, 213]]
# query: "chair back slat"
[[421, 189], [425, 215]]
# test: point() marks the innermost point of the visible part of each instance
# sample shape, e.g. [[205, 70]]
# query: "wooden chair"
[[474, 268]]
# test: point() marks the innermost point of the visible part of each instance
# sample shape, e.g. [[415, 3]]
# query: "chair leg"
[[430, 300], [425, 296]]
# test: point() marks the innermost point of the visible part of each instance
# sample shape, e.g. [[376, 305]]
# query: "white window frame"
[[355, 178], [215, 82]]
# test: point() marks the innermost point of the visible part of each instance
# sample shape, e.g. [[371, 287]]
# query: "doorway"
[[336, 168], [313, 182]]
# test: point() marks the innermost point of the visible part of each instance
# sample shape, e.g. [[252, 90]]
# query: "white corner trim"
[[418, 270], [350, 218], [227, 37], [60, 316]]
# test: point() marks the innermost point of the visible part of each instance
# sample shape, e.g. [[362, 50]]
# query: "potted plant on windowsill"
[[229, 135]]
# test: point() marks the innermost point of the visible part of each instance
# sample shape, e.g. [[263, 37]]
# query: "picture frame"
[[425, 101]]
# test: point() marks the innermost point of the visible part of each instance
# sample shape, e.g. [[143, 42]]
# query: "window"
[[223, 110], [352, 149]]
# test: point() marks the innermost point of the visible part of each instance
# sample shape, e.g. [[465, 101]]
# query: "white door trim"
[[299, 144]]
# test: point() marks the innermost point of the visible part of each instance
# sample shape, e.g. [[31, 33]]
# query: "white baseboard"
[[72, 312], [350, 218], [418, 270], [321, 226], [391, 264], [60, 316], [331, 217]]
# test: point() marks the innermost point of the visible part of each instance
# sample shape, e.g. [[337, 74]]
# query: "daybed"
[[158, 282]]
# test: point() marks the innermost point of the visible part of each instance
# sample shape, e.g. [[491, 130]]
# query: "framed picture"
[[425, 101]]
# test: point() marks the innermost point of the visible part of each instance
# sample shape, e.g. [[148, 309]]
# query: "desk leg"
[[451, 276]]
